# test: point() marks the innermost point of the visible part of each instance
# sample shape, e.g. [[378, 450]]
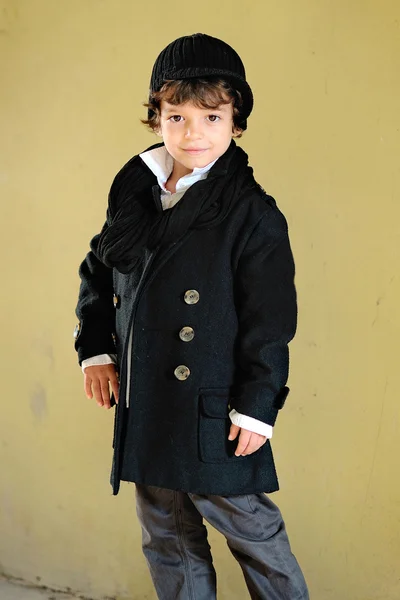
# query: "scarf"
[[135, 223]]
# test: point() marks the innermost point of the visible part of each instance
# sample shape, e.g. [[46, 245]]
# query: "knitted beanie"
[[200, 55]]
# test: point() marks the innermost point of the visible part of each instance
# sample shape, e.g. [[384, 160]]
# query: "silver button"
[[186, 334], [192, 297], [182, 372], [77, 330]]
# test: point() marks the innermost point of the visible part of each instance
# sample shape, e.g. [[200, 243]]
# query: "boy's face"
[[195, 136]]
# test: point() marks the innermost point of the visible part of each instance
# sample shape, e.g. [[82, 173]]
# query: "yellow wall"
[[324, 140]]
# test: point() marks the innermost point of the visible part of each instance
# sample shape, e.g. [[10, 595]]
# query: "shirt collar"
[[161, 163]]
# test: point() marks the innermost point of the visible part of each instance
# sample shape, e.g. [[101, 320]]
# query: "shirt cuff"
[[251, 424], [100, 359]]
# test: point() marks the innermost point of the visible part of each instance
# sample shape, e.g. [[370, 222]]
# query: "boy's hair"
[[202, 92]]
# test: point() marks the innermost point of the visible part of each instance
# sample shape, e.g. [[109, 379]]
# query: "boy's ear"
[[157, 131], [236, 132]]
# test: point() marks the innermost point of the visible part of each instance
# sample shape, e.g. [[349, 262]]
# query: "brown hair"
[[203, 93]]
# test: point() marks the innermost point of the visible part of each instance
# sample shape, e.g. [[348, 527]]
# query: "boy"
[[187, 304]]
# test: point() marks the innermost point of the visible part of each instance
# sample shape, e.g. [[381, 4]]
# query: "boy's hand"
[[248, 442], [97, 380]]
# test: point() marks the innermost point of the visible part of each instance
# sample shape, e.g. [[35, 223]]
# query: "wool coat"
[[200, 326]]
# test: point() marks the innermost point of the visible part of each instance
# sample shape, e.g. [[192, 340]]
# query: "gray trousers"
[[174, 540]]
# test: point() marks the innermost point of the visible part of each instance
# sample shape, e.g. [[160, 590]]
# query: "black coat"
[[174, 432]]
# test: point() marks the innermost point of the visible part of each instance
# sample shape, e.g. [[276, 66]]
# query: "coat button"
[[182, 372], [116, 301], [77, 330], [186, 334], [192, 297]]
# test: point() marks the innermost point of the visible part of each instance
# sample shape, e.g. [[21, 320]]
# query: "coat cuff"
[[91, 340], [260, 406]]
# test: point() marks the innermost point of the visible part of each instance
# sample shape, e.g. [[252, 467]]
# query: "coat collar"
[[161, 164]]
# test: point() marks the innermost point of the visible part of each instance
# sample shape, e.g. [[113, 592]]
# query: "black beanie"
[[200, 55]]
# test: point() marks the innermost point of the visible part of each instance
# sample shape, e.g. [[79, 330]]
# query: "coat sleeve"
[[94, 333], [266, 305]]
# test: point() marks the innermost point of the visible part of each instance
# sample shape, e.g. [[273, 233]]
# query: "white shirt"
[[161, 163]]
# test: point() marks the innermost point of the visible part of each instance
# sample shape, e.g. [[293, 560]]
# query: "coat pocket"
[[214, 425]]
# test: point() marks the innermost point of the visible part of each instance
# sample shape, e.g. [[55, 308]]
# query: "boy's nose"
[[193, 131]]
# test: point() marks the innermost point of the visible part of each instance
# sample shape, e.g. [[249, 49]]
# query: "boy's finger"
[[97, 392], [233, 432], [255, 443], [115, 387], [105, 392], [88, 387], [250, 448], [244, 438]]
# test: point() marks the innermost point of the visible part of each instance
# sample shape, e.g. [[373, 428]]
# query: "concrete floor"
[[16, 591]]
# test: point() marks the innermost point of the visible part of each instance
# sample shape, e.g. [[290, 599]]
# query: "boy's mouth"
[[194, 151]]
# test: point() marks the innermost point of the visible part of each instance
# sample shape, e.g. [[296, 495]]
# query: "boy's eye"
[[213, 118], [175, 118]]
